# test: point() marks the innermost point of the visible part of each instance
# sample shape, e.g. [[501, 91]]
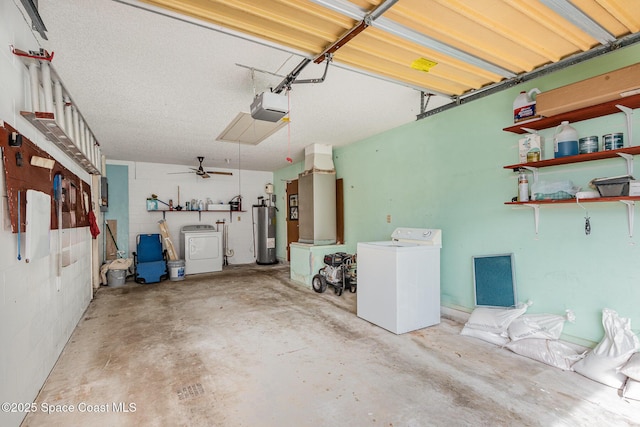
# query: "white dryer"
[[201, 248]]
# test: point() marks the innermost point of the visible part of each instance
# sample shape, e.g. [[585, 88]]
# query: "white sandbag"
[[496, 320], [631, 389], [602, 364], [491, 337], [541, 326], [551, 352], [632, 367]]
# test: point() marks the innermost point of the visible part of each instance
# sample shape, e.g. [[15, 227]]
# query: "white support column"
[[35, 86], [57, 96], [68, 119], [46, 87]]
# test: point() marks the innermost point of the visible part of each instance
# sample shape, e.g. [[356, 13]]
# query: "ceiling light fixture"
[[245, 129]]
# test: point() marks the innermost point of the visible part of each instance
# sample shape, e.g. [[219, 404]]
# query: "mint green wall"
[[446, 171], [118, 179]]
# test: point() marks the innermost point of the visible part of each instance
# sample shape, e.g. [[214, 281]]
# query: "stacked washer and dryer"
[[201, 248]]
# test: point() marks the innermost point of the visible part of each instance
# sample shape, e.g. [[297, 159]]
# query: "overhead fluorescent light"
[[246, 130]]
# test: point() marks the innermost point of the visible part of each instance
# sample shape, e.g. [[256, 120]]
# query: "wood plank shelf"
[[164, 212], [609, 154], [579, 115], [566, 201]]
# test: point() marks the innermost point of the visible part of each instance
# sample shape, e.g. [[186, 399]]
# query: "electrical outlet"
[[389, 219]]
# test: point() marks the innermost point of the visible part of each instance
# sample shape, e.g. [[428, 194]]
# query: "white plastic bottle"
[[565, 141], [524, 107]]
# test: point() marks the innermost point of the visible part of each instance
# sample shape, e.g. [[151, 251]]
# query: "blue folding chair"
[[149, 259]]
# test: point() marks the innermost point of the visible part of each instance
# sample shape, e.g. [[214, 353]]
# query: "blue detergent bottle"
[[565, 141]]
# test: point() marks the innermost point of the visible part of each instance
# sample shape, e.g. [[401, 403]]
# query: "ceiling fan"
[[203, 173]]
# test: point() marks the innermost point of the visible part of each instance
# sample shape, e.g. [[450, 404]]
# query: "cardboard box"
[[634, 188], [593, 91], [528, 146]]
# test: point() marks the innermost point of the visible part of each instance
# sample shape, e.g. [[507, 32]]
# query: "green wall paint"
[[118, 179], [446, 171]]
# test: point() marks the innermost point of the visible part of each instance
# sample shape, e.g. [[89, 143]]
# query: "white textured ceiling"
[[157, 89]]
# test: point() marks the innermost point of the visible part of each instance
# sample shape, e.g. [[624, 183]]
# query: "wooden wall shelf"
[[609, 154], [579, 115], [574, 201], [164, 211]]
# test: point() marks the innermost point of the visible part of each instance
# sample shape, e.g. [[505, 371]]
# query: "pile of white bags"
[[491, 324], [531, 335], [632, 370], [615, 361], [605, 363]]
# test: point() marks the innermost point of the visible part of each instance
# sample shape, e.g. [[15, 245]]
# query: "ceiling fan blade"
[[220, 173], [174, 173], [205, 175]]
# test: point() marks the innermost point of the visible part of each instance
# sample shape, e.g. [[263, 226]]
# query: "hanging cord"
[[239, 174]]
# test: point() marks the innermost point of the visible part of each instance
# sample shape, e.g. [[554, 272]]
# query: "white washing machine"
[[399, 280], [201, 248]]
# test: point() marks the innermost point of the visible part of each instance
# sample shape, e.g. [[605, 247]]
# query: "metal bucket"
[[116, 278]]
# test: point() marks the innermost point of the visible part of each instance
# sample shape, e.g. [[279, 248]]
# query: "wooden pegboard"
[[21, 175]]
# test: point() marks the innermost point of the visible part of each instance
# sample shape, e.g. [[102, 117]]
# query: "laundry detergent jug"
[[524, 107], [565, 141]]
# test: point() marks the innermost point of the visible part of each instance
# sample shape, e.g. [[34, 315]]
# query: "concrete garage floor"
[[249, 347]]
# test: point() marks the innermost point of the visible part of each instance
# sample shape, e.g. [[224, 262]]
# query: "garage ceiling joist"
[[474, 44]]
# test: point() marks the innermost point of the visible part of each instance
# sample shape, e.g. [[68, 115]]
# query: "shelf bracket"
[[628, 112], [629, 159], [630, 214], [535, 172], [536, 214]]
